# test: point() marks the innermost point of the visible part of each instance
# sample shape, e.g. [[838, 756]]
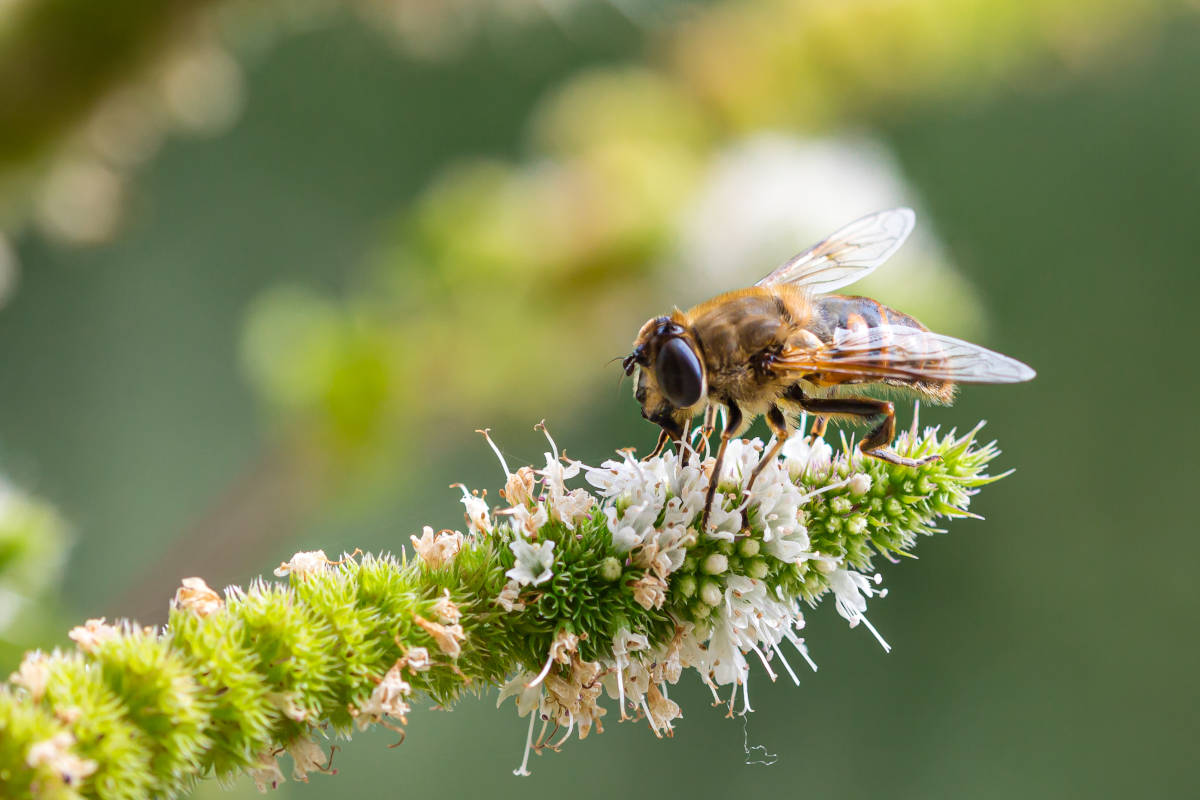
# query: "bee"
[[786, 345]]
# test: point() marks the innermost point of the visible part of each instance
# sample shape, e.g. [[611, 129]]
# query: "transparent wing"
[[847, 255], [894, 351]]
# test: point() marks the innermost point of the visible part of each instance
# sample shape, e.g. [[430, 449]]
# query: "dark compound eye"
[[679, 373]]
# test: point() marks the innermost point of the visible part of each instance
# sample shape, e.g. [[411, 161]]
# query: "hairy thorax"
[[737, 333]]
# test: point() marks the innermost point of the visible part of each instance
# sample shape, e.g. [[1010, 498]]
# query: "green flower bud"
[[748, 547], [610, 569]]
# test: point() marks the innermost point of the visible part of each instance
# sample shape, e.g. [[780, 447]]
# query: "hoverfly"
[[784, 345]]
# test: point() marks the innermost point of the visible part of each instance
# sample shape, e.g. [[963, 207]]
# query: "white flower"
[[476, 514], [629, 679], [519, 487], [508, 597], [723, 524], [565, 645], [92, 634], [417, 659], [574, 507], [660, 711], [534, 562], [626, 642], [198, 597], [388, 697], [528, 697], [33, 674], [307, 756], [630, 528], [624, 537], [437, 549], [650, 591], [527, 521], [851, 590], [304, 563], [288, 705], [792, 547], [556, 474], [616, 478], [448, 638], [725, 661], [267, 774], [741, 457], [445, 609]]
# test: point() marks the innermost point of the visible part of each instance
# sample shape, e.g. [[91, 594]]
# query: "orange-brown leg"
[[663, 438], [818, 427], [733, 421], [710, 425], [877, 443], [778, 424]]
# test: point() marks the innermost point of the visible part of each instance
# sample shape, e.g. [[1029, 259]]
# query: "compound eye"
[[679, 373]]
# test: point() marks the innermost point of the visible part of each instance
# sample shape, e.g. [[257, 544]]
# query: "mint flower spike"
[[567, 598]]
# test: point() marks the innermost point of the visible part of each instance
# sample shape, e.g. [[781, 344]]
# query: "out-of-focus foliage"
[[600, 209], [33, 548], [85, 98], [807, 65], [431, 334], [86, 94]]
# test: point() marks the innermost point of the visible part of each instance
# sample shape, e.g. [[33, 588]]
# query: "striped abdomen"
[[851, 313]]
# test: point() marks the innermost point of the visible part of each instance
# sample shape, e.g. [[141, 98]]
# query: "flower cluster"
[[566, 597], [731, 592]]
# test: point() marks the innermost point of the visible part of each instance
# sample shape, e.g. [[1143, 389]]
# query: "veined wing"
[[847, 255], [895, 351]]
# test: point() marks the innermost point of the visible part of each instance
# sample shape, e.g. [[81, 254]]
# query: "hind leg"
[[877, 443]]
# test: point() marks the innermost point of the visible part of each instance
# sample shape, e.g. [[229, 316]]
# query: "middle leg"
[[778, 425], [733, 421]]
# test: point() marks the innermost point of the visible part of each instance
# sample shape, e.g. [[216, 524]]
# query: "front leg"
[[733, 421], [710, 425], [663, 438], [674, 429]]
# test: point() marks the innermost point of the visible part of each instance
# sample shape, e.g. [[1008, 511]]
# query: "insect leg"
[[778, 424], [877, 442], [733, 421], [663, 438], [710, 425]]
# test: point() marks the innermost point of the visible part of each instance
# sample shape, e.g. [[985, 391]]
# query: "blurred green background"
[[347, 238]]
